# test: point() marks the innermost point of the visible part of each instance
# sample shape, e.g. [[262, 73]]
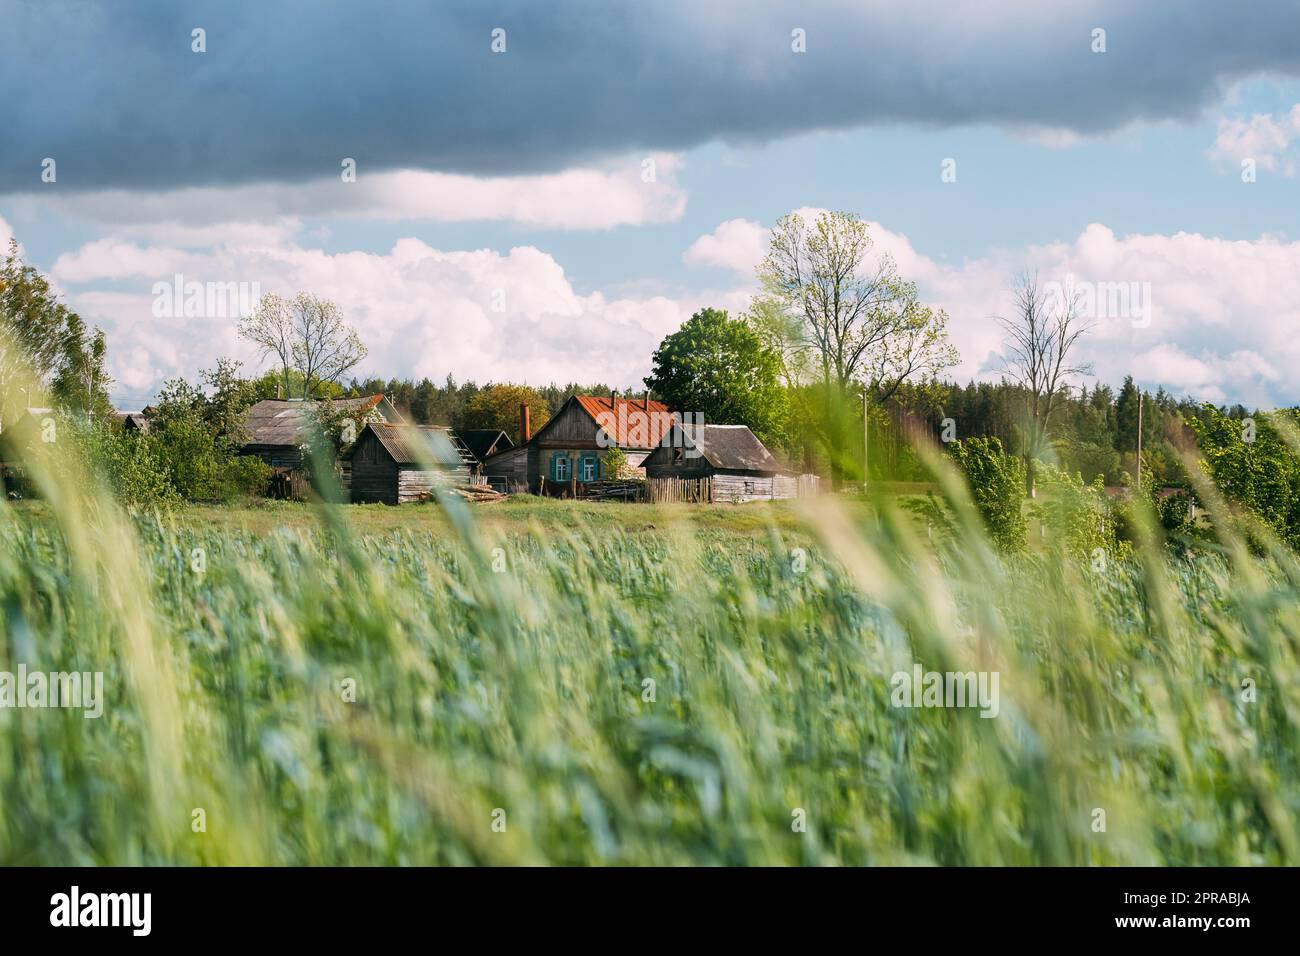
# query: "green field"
[[370, 685]]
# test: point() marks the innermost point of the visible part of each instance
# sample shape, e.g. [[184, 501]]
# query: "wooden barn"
[[570, 448], [725, 463], [396, 464]]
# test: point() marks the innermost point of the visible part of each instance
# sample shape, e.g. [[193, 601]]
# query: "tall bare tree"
[[1041, 334], [307, 335], [271, 329], [845, 317]]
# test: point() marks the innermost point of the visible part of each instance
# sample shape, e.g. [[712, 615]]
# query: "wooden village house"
[[569, 450], [278, 431], [396, 464]]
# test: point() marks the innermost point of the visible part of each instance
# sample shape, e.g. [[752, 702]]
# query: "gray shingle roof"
[[731, 448], [275, 422]]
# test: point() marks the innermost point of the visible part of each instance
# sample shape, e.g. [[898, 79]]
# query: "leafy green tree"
[[1253, 466], [497, 406], [196, 435], [719, 367], [996, 481], [228, 398], [44, 346]]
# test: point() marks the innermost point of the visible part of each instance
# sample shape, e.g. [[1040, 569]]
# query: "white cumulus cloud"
[[1266, 139]]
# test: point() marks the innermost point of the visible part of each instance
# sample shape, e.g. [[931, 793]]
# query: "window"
[[679, 455], [560, 467], [588, 469], [749, 487]]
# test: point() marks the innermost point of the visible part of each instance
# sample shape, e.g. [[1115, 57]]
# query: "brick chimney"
[[525, 422]]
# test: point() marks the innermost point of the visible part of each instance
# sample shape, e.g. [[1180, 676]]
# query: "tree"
[[497, 407], [229, 397], [1040, 336], [195, 437], [44, 345], [847, 319], [1252, 464], [80, 385], [719, 367], [307, 335]]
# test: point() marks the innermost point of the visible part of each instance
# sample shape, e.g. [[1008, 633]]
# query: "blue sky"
[[500, 225]]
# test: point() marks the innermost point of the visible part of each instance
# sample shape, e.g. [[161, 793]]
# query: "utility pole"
[[1139, 452]]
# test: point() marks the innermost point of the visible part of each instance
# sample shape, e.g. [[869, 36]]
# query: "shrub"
[[127, 462], [1079, 515], [615, 462]]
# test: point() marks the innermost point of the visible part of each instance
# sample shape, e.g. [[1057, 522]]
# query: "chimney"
[[646, 404], [525, 422], [613, 406]]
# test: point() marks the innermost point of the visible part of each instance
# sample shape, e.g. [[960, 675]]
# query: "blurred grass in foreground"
[[513, 680]]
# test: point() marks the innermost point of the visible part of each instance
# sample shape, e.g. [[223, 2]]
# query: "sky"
[[542, 192]]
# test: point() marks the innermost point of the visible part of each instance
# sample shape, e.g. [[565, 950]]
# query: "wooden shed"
[[727, 462], [396, 464]]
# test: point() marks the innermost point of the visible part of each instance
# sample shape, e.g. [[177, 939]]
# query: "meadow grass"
[[500, 655]]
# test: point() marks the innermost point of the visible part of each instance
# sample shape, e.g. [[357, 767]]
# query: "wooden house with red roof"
[[570, 448]]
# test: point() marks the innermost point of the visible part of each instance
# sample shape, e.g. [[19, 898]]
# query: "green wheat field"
[[324, 685]]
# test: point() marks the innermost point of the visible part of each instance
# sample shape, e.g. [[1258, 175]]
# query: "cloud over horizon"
[[1215, 319], [283, 93]]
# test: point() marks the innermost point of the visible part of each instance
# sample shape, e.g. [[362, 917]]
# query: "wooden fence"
[[692, 490], [289, 484]]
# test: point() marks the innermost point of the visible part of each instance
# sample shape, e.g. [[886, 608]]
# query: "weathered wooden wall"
[[572, 428], [508, 470], [739, 489], [374, 473], [730, 488]]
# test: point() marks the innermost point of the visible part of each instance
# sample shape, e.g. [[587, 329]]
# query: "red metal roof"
[[628, 421]]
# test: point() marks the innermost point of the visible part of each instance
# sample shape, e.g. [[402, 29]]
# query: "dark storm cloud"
[[287, 88]]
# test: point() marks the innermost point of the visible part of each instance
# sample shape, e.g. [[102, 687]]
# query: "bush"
[[615, 462], [997, 482], [127, 462], [1081, 517]]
